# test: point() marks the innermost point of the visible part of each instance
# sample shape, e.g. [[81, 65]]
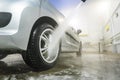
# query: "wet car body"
[[23, 24]]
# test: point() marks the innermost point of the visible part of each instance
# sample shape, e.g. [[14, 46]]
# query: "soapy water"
[[92, 13]]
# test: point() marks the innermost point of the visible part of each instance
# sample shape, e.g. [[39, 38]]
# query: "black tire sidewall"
[[34, 46]]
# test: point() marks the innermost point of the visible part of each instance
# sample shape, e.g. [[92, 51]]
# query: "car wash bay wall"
[[111, 34]]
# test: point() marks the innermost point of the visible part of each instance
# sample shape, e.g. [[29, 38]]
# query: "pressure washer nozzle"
[[83, 0]]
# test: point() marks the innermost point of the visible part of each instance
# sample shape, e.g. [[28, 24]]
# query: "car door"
[[70, 41]]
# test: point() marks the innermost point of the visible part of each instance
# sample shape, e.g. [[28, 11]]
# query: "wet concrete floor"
[[90, 66]]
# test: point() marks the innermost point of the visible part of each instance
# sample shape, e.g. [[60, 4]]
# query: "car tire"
[[37, 56], [2, 55], [80, 49]]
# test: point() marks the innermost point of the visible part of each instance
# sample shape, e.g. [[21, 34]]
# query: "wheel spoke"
[[43, 49], [48, 58], [45, 39], [44, 52], [45, 36]]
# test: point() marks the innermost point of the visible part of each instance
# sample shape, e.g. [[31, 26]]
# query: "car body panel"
[[48, 10], [70, 41], [17, 32]]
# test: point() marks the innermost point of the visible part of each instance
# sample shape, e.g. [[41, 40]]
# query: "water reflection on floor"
[[90, 66]]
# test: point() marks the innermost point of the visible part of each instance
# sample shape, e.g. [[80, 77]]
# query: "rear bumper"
[[9, 26], [6, 42]]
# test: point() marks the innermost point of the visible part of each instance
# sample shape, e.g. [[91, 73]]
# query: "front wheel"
[[37, 55], [80, 49], [2, 55]]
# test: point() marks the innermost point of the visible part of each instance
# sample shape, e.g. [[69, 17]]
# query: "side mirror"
[[79, 31]]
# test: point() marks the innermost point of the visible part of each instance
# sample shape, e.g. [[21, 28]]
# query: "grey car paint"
[[70, 41], [25, 13]]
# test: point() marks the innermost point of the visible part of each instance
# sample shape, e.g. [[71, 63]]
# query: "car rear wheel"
[[80, 49], [37, 55]]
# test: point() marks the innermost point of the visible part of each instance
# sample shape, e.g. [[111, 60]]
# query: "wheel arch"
[[41, 20], [44, 19]]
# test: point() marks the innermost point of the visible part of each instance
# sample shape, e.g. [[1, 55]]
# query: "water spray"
[[94, 13], [60, 31]]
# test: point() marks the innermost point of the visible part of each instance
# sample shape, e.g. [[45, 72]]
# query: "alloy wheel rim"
[[44, 41]]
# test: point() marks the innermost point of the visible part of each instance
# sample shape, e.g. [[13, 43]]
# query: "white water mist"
[[60, 31], [92, 13]]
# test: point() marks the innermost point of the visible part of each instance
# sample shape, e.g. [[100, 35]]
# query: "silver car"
[[26, 26]]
